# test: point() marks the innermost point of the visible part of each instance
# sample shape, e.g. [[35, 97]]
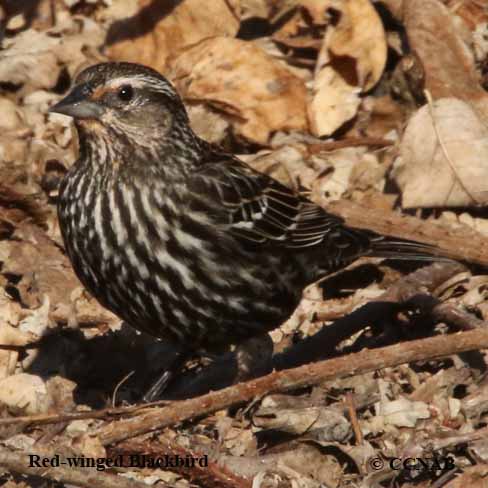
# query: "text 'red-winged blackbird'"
[[182, 240]]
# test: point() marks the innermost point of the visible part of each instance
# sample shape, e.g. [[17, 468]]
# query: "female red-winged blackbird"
[[178, 238]]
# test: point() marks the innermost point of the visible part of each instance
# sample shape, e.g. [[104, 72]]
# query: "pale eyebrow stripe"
[[113, 85]]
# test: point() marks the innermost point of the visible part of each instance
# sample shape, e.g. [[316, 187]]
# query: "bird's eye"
[[125, 93]]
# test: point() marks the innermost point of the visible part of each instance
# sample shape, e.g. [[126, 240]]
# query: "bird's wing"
[[259, 210]]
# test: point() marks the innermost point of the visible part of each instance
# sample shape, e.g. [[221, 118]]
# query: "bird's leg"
[[168, 373], [254, 357], [250, 359]]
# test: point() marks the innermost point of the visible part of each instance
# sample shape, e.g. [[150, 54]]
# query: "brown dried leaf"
[[473, 12], [313, 463], [403, 412], [380, 116], [46, 275], [351, 60], [34, 58], [337, 169], [89, 446], [11, 119], [9, 336], [325, 424], [287, 164], [24, 394], [360, 35], [441, 383], [448, 62], [61, 392], [307, 460], [41, 265], [29, 57], [317, 9], [161, 28], [301, 28], [240, 442], [443, 159], [37, 321], [258, 94], [333, 103]]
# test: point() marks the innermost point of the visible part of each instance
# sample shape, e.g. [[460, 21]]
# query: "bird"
[[179, 238]]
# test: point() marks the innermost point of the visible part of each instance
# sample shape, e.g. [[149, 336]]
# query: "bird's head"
[[124, 101]]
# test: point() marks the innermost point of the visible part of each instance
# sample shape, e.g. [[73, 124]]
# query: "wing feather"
[[260, 210]]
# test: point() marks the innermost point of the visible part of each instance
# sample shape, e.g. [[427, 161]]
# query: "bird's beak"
[[77, 105]]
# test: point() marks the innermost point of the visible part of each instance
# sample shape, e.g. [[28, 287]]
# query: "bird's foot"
[[164, 379], [158, 387]]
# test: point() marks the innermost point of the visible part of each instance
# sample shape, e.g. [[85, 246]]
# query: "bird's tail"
[[400, 249]]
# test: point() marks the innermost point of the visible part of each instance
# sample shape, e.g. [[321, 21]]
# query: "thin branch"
[[353, 417], [303, 376], [325, 146], [104, 413]]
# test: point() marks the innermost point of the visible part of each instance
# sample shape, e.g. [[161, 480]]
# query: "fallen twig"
[[353, 417], [326, 146], [303, 376], [50, 418]]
